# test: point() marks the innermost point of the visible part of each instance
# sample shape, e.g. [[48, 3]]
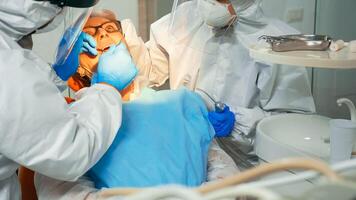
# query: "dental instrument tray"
[[298, 42]]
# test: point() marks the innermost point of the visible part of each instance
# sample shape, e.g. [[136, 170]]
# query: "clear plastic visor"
[[75, 19]]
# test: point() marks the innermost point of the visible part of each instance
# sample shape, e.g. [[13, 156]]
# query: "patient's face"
[[106, 33]]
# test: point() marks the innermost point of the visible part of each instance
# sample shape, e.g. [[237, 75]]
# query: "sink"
[[293, 135]]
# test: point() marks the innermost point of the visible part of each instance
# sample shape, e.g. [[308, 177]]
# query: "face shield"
[[195, 22], [249, 12], [187, 16], [64, 5], [184, 16], [75, 14], [74, 21]]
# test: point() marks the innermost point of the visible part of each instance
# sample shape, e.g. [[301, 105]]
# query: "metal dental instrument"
[[297, 42], [219, 106], [90, 73]]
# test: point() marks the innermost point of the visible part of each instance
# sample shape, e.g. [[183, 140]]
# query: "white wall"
[[337, 19], [163, 7], [45, 44], [283, 9]]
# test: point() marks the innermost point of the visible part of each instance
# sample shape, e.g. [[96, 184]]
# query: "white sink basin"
[[293, 135]]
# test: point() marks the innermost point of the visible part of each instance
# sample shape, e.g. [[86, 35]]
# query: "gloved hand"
[[115, 68], [223, 122], [85, 43]]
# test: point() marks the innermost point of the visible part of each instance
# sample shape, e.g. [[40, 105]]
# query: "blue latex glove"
[[115, 67], [85, 43], [223, 122]]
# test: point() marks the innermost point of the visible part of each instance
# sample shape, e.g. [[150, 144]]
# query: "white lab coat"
[[37, 127], [196, 56]]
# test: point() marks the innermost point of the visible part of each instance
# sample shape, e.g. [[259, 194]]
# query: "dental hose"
[[248, 175], [265, 169]]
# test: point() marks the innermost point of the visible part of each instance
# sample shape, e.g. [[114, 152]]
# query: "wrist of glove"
[[222, 122]]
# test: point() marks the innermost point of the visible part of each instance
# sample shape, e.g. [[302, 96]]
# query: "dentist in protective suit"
[[38, 129], [203, 45]]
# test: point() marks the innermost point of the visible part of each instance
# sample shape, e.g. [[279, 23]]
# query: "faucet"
[[350, 105]]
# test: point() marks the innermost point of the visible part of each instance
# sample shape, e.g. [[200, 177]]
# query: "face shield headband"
[[73, 3]]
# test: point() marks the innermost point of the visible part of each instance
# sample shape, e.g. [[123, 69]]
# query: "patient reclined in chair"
[[164, 138]]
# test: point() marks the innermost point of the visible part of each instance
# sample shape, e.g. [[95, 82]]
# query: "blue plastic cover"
[[164, 139]]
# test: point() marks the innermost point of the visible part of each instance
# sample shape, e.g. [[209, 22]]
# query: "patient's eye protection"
[[110, 27]]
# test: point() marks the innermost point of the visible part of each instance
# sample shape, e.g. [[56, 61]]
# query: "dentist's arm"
[[52, 138]]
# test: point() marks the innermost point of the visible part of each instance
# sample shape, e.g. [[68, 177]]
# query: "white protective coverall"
[[188, 52], [37, 127]]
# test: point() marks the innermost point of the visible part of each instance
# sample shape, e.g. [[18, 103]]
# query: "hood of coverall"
[[188, 26], [248, 12], [19, 18]]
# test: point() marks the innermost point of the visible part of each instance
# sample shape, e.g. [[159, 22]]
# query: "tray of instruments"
[[342, 59]]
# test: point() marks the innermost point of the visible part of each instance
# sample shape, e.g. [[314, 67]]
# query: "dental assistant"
[[38, 129], [203, 45]]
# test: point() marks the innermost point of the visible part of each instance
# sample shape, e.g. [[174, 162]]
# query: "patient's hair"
[[108, 14]]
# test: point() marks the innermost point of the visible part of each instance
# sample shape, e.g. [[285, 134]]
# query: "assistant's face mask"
[[217, 14]]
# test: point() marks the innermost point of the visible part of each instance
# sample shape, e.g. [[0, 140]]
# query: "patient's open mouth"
[[104, 49]]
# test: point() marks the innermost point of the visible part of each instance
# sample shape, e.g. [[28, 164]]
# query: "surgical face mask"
[[217, 14]]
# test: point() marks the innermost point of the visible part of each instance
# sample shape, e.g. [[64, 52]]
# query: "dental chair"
[[26, 178]]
